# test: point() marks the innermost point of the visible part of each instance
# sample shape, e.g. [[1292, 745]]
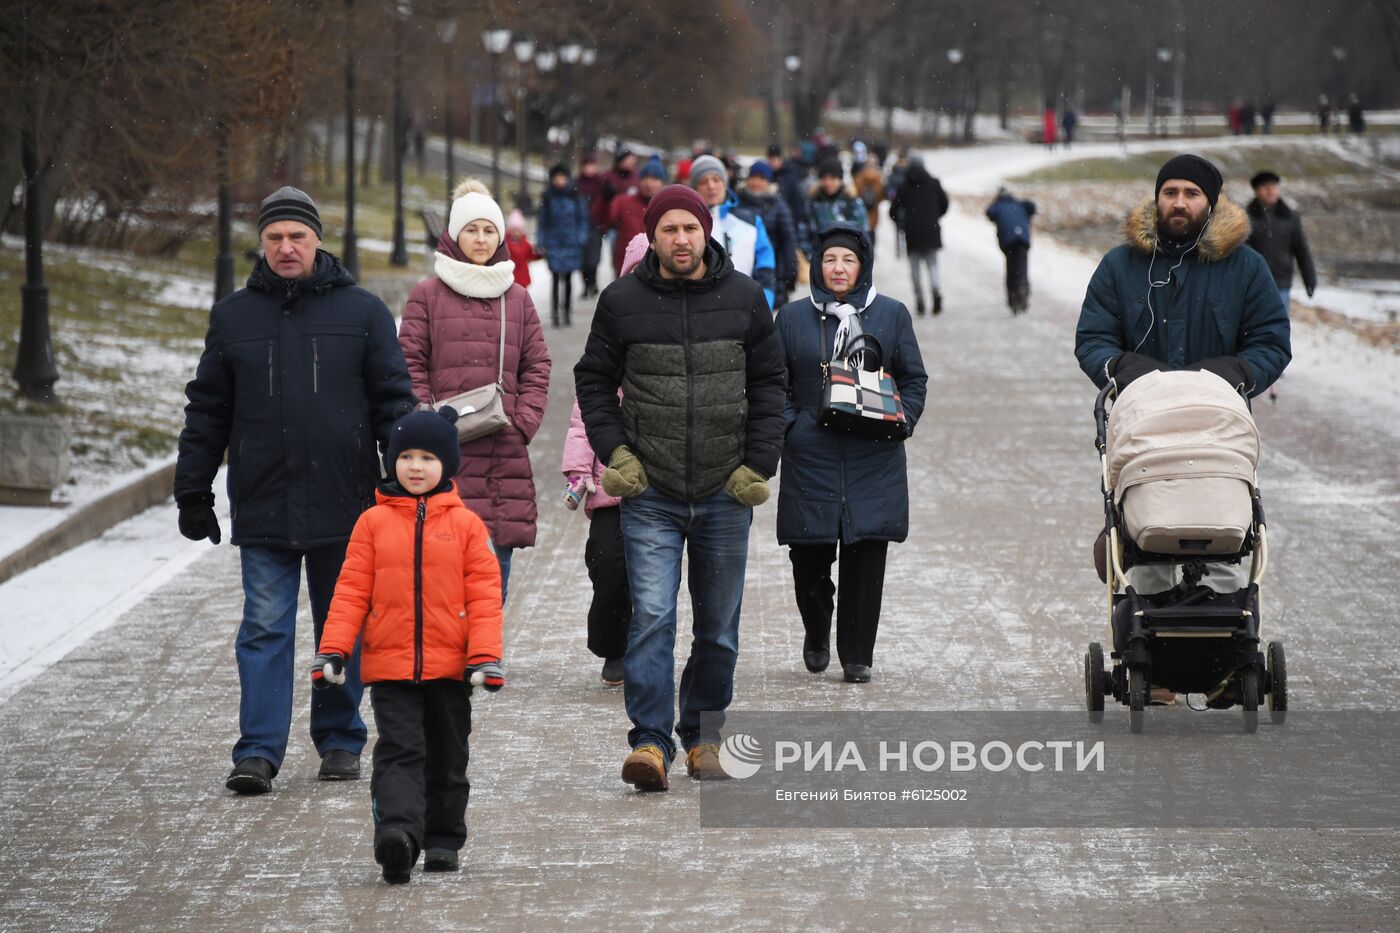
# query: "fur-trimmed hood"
[[1226, 231]]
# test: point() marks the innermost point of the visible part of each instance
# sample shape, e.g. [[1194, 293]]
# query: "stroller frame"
[[1184, 640]]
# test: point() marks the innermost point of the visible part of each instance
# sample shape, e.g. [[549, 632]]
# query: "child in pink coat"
[[610, 613]]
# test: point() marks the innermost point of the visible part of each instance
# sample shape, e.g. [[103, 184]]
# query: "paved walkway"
[[113, 814]]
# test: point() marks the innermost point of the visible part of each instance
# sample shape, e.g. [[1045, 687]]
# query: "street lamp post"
[[955, 57], [1339, 54], [350, 254], [545, 60], [223, 262], [569, 54], [793, 63], [447, 31], [524, 48], [399, 254], [496, 39], [1164, 55], [34, 369]]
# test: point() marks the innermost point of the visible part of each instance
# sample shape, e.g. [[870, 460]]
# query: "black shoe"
[[440, 860], [339, 765], [856, 673], [568, 317], [937, 303], [612, 675], [919, 306], [396, 853], [816, 657], [251, 776]]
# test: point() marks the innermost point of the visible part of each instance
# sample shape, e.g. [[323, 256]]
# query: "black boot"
[[856, 673], [815, 656], [919, 304], [937, 303], [396, 853]]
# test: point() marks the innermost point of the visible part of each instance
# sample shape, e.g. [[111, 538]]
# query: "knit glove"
[[327, 669], [579, 486], [487, 674], [197, 519], [747, 486], [624, 476]]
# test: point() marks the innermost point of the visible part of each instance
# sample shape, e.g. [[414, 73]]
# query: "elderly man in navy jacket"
[[300, 379]]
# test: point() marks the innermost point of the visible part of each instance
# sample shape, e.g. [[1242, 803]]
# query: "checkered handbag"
[[859, 401]]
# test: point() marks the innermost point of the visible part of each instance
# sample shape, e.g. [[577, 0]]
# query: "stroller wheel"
[[1249, 697], [1093, 681], [1137, 698], [1277, 680]]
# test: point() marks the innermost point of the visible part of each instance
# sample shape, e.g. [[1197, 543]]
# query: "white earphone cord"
[[1151, 313]]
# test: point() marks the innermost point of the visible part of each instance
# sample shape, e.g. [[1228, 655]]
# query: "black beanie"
[[288, 203], [839, 237], [830, 167], [1194, 169], [433, 431]]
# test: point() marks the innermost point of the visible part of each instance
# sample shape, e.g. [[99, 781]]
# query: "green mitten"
[[746, 485], [624, 476]]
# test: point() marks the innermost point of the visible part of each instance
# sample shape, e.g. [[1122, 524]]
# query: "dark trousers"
[[561, 297], [857, 595], [1018, 280], [606, 559], [419, 784], [592, 255]]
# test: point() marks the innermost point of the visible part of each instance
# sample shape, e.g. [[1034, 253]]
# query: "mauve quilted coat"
[[450, 343]]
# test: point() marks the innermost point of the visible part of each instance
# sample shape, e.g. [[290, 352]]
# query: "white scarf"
[[474, 281], [843, 313]]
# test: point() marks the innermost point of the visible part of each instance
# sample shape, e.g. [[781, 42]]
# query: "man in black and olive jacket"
[[300, 379], [689, 448]]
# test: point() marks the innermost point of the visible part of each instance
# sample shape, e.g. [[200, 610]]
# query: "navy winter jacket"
[[1013, 220], [563, 228], [835, 487], [1221, 300], [299, 381]]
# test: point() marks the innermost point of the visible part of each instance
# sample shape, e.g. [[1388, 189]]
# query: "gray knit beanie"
[[288, 203]]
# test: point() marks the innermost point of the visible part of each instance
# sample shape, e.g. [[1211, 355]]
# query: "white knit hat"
[[475, 206]]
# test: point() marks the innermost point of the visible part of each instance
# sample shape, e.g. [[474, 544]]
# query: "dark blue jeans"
[[266, 652], [715, 534]]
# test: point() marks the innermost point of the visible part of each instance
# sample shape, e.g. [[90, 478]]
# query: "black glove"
[[1311, 288], [197, 520], [1232, 369], [487, 674], [327, 669], [1127, 366]]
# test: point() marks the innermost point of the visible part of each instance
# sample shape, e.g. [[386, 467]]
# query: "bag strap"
[[501, 353], [863, 337]]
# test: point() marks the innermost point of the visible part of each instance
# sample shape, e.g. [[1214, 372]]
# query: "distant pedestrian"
[[921, 203], [298, 384], [421, 591], [620, 181], [831, 202], [522, 251], [759, 194], [1356, 117], [1324, 114], [564, 227], [1013, 219], [454, 341], [692, 343], [1069, 122], [896, 177], [870, 188], [1266, 113], [590, 186], [740, 229], [1276, 233], [1248, 116], [790, 175], [842, 495], [1049, 126], [626, 212]]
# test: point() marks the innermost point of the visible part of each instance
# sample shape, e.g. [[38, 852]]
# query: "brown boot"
[[645, 768], [702, 763]]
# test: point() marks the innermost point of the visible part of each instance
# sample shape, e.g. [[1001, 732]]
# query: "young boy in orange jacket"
[[421, 585]]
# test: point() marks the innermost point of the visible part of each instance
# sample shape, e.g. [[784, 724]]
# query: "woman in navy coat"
[[841, 493]]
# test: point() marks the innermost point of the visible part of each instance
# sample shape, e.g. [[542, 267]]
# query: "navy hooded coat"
[[835, 487]]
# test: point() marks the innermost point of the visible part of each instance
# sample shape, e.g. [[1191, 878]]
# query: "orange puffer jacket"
[[422, 582]]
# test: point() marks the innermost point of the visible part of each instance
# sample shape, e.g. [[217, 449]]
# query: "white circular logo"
[[741, 756]]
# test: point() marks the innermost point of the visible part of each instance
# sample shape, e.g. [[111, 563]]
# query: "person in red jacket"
[[421, 590], [522, 251], [626, 213]]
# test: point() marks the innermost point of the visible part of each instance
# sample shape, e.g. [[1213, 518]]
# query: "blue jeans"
[[266, 652], [503, 555], [655, 530]]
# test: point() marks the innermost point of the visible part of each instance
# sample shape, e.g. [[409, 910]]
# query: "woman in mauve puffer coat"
[[450, 336]]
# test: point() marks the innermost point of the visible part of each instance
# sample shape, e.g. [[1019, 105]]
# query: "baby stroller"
[[1181, 505]]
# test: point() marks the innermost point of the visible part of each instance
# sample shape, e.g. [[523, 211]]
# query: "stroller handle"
[[1101, 416]]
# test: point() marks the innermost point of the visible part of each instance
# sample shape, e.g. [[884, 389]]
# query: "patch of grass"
[[1288, 161]]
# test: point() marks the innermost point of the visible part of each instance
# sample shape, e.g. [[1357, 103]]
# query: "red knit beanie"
[[676, 197]]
